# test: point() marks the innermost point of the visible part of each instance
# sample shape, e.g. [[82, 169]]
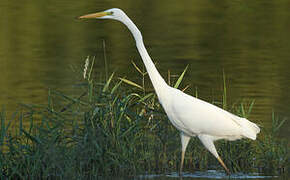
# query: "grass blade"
[[180, 78], [137, 68], [116, 87], [131, 83], [106, 86]]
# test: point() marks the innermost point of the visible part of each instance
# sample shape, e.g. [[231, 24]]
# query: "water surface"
[[210, 174]]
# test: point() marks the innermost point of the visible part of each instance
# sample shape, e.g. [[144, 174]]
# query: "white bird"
[[191, 116]]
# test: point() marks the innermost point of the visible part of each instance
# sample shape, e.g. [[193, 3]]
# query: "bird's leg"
[[181, 164], [207, 141], [224, 166], [184, 142]]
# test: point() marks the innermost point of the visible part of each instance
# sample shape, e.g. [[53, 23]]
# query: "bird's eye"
[[110, 13]]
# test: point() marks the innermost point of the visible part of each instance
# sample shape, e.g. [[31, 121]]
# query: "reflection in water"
[[248, 40], [210, 174]]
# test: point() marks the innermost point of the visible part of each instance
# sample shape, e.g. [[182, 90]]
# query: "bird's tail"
[[249, 129]]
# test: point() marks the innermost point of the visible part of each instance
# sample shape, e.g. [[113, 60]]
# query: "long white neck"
[[158, 82]]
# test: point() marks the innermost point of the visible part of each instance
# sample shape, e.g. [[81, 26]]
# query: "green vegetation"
[[113, 129]]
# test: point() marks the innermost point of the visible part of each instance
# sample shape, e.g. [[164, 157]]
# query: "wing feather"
[[195, 116]]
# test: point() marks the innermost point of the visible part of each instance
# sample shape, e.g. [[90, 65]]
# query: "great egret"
[[191, 116]]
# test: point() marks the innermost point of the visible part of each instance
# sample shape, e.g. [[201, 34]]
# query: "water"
[[210, 174], [205, 175], [248, 40]]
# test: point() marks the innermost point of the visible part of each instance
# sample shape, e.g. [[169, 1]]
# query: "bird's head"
[[114, 13]]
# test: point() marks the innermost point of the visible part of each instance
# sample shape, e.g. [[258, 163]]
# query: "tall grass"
[[117, 128]]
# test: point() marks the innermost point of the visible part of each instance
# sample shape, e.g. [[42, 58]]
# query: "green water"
[[248, 40], [210, 174]]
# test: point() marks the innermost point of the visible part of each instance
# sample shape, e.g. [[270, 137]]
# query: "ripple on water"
[[210, 174]]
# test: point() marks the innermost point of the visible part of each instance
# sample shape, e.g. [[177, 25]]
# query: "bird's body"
[[194, 117], [191, 116]]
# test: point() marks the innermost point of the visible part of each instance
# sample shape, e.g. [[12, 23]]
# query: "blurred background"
[[247, 40]]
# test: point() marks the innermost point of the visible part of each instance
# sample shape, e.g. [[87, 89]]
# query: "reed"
[[113, 129]]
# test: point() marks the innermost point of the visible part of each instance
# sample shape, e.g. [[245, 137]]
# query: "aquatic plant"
[[118, 128]]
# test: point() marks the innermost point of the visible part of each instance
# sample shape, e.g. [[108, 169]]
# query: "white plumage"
[[191, 116], [200, 117]]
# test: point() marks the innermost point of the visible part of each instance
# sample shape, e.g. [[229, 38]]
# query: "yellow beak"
[[94, 15]]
